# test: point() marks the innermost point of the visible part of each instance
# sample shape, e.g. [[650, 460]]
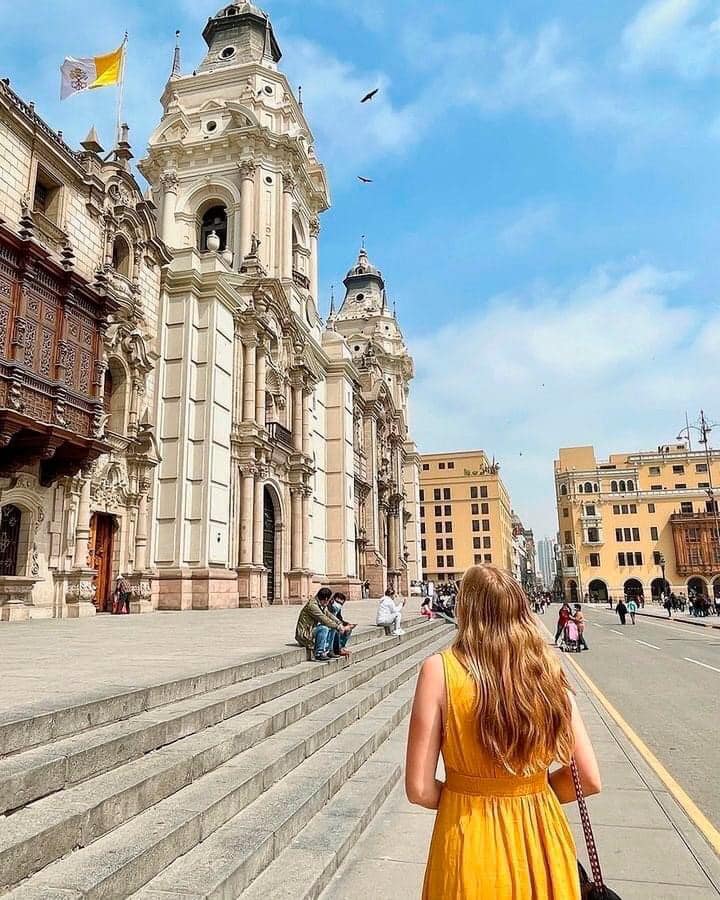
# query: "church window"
[[268, 89], [360, 297], [214, 220], [211, 125], [46, 196], [114, 393], [268, 179], [227, 52], [121, 256]]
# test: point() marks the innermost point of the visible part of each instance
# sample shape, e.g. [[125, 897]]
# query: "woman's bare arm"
[[561, 779], [425, 736]]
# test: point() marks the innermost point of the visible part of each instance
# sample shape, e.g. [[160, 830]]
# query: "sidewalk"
[[649, 849], [654, 612]]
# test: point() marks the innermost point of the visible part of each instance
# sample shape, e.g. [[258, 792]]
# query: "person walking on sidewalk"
[[621, 609], [499, 708], [316, 626], [668, 605], [579, 620], [389, 612], [632, 609], [563, 618]]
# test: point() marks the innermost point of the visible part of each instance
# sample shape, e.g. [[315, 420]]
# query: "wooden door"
[[101, 559]]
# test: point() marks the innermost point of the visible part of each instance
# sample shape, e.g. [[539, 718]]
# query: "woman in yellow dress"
[[498, 706]]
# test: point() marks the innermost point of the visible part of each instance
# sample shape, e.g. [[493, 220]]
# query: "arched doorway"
[[101, 552], [598, 591], [272, 545], [698, 587], [716, 586], [633, 589], [657, 586], [572, 585]]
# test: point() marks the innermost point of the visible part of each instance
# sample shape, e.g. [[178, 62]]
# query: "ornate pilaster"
[[287, 239], [247, 205]]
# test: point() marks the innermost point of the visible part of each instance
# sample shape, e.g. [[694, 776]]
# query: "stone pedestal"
[[16, 597], [300, 586], [140, 588], [351, 587], [250, 586], [80, 593]]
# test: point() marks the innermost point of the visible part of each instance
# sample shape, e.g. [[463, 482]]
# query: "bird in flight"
[[364, 180], [369, 96]]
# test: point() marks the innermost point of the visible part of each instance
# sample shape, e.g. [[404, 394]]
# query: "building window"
[[9, 539], [631, 485], [47, 196], [476, 543], [441, 562], [655, 487], [678, 470], [483, 492], [618, 535], [566, 512], [423, 563], [476, 525], [449, 544], [633, 508], [614, 486], [680, 487], [448, 527], [654, 470], [651, 507], [448, 510], [473, 493], [438, 528], [422, 528], [214, 219], [451, 465], [616, 509], [588, 487], [422, 512], [486, 524], [624, 508], [627, 532], [590, 509], [121, 256], [570, 561], [422, 495], [593, 535], [478, 559], [686, 507], [701, 467], [485, 509], [446, 494], [653, 533], [595, 560], [437, 494], [450, 562], [423, 544], [438, 543], [636, 534], [441, 465], [621, 559], [563, 490], [580, 489], [488, 557], [568, 537], [426, 467], [638, 559], [703, 484], [474, 509], [438, 511], [487, 543]]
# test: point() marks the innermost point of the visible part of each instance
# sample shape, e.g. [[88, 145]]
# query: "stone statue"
[[254, 244]]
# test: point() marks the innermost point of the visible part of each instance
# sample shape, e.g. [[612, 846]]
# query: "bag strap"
[[587, 828]]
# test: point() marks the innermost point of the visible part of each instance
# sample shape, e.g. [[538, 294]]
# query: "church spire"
[[176, 66]]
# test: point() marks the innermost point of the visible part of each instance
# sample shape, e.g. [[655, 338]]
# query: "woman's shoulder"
[[434, 666]]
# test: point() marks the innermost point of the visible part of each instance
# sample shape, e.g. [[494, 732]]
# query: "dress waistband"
[[505, 786]]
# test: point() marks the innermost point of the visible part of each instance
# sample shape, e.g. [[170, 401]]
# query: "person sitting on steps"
[[340, 640], [389, 613], [316, 626]]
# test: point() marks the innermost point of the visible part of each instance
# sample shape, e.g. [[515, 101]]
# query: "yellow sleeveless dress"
[[497, 836]]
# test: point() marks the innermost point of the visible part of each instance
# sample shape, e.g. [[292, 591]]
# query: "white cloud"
[[534, 220], [680, 35], [612, 361]]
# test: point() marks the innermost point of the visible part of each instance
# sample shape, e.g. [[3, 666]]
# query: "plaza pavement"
[[649, 849], [656, 613]]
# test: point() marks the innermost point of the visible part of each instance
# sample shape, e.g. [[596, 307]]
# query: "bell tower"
[[233, 171]]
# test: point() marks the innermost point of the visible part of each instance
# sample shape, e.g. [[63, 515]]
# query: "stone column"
[[246, 516], [82, 527], [298, 418], [257, 556], [307, 493], [237, 395], [296, 524], [169, 182], [250, 348], [314, 262], [306, 438], [247, 205], [260, 384], [287, 241], [141, 531]]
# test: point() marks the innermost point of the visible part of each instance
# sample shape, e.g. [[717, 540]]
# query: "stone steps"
[[133, 821], [35, 773]]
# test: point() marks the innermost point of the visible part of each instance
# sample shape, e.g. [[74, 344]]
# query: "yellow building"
[[465, 515], [621, 521]]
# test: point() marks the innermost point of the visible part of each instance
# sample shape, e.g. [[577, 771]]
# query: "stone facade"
[[256, 452]]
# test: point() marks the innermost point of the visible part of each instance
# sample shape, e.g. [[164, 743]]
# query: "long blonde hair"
[[523, 709]]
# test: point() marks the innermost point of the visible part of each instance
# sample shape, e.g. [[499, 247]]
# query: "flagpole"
[[121, 88]]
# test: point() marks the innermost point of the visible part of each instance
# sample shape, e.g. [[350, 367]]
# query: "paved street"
[[664, 679]]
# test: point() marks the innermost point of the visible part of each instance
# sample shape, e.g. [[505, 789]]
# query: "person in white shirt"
[[390, 612]]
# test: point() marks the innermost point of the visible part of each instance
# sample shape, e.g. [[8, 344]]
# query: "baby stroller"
[[570, 642]]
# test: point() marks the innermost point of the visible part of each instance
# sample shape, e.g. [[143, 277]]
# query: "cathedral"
[[174, 410]]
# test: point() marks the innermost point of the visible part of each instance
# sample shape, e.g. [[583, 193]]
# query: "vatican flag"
[[90, 72]]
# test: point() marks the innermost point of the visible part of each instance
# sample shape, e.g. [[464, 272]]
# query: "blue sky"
[[544, 204]]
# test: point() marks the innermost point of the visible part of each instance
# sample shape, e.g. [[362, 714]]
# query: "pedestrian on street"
[[563, 618], [621, 610], [579, 620], [499, 830], [632, 609], [668, 606]]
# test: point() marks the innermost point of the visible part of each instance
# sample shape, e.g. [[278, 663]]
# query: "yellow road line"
[[711, 833]]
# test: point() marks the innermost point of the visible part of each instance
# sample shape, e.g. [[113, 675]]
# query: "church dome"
[[240, 7], [363, 266]]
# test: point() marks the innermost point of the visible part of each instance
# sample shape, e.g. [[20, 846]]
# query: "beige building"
[[465, 515], [622, 519], [239, 450]]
